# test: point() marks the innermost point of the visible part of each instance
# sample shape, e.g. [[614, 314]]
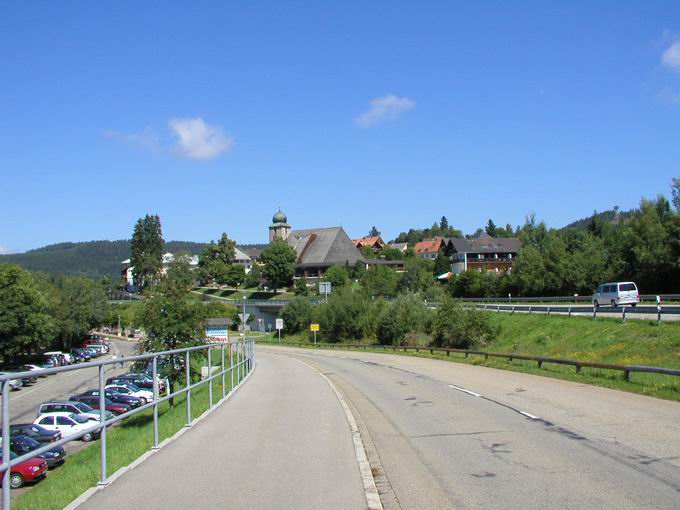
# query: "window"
[[64, 420], [47, 420], [627, 287]]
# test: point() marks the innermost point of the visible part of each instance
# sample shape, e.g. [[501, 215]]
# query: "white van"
[[616, 294]]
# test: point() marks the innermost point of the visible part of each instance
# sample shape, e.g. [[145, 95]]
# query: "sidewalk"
[[282, 441]]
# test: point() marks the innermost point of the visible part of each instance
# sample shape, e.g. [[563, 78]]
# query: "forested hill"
[[610, 216], [95, 259]]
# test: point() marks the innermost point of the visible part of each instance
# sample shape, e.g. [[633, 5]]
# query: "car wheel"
[[633, 305], [16, 481], [613, 303], [142, 400], [88, 437]]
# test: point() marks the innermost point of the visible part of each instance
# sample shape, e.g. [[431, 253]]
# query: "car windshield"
[[29, 442], [132, 386], [78, 418], [83, 407]]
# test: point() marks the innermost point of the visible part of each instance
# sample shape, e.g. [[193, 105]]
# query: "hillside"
[[610, 216], [95, 259]]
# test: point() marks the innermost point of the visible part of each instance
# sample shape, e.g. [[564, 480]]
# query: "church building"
[[316, 249]]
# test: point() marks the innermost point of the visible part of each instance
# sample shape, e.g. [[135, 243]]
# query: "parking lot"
[[24, 402]]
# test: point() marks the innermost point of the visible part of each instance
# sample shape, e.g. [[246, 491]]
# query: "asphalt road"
[[281, 441], [446, 435]]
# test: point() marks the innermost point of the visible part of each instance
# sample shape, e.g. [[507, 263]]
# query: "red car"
[[30, 470]]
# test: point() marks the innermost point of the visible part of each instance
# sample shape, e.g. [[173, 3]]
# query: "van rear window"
[[627, 287]]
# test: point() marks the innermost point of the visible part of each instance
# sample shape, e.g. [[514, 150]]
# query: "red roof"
[[369, 241], [429, 245]]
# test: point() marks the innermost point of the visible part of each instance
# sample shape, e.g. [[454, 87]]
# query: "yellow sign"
[[313, 327]]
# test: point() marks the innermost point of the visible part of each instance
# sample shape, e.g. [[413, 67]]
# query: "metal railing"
[[541, 360], [565, 299], [657, 310], [241, 362]]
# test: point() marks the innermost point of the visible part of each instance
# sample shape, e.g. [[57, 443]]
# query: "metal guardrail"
[[541, 360], [566, 299], [659, 311], [241, 361]]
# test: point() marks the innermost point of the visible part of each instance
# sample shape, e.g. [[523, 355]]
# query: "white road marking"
[[529, 415], [464, 390]]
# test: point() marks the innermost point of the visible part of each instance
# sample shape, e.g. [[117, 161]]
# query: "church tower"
[[279, 229]]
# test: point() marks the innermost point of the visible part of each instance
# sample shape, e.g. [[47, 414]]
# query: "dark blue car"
[[24, 444]]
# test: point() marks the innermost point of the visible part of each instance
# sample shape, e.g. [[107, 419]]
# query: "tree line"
[[41, 310]]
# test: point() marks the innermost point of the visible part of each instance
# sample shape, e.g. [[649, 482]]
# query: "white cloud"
[[198, 140], [384, 108], [671, 57], [147, 139], [4, 251]]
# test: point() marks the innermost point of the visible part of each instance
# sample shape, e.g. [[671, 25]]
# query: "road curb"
[[115, 476], [370, 490]]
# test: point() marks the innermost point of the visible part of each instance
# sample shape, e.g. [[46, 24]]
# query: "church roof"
[[323, 247]]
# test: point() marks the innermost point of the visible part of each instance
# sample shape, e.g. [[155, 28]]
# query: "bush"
[[337, 276], [297, 315], [402, 320], [459, 327], [380, 281], [347, 316]]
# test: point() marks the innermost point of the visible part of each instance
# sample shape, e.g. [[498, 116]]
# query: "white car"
[[72, 407], [67, 356], [14, 384], [133, 390], [67, 424], [616, 294]]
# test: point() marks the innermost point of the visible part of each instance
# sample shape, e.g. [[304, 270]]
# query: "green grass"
[[125, 443], [583, 339]]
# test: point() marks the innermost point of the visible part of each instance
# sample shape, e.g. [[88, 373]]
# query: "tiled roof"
[[369, 241], [323, 247], [429, 245]]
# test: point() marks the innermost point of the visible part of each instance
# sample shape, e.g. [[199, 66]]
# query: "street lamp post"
[[244, 317]]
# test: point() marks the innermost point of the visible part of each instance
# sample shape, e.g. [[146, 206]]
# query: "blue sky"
[[212, 114]]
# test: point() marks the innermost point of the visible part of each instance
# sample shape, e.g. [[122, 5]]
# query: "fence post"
[[626, 374], [529, 309], [210, 379], [540, 364], [623, 308], [231, 366], [548, 311], [5, 441], [188, 392], [594, 312], [102, 421], [513, 308], [154, 374], [570, 311], [658, 314], [224, 374]]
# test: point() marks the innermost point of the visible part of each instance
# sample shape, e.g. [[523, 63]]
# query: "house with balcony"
[[375, 243], [495, 254]]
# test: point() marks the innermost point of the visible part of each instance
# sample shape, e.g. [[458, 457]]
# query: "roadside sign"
[[325, 288], [279, 324], [314, 327], [243, 317]]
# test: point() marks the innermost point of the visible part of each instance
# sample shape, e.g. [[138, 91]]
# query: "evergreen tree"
[[491, 228], [442, 264], [444, 224], [374, 232], [147, 251]]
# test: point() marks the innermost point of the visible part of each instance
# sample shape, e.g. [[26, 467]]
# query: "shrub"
[[346, 316], [459, 327], [297, 315], [337, 276], [402, 319]]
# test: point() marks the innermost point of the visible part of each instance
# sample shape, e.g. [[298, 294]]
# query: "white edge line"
[[529, 415], [115, 476], [370, 490], [464, 390]]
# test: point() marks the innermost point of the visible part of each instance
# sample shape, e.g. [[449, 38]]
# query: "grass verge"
[[125, 443], [584, 339]]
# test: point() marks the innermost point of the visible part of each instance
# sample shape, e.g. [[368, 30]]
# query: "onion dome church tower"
[[279, 229]]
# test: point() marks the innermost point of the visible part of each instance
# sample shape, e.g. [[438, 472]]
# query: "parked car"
[[128, 388], [71, 407], [30, 470], [33, 368], [67, 424], [136, 379], [24, 444], [118, 398], [109, 405], [616, 294], [14, 384], [100, 349], [67, 360], [40, 434]]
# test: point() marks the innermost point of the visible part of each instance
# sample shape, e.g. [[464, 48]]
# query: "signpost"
[[314, 328], [325, 289], [279, 327], [243, 317]]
